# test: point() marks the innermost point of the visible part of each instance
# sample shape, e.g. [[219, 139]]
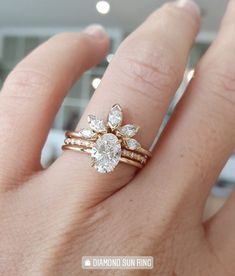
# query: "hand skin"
[[52, 217]]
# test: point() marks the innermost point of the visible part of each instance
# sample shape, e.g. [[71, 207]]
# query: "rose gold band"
[[74, 134], [81, 143], [88, 150]]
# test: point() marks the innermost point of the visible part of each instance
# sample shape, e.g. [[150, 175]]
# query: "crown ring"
[[108, 143]]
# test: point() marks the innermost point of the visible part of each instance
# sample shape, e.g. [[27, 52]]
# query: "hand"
[[50, 218]]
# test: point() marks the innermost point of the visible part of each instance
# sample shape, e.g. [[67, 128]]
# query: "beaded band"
[[74, 134], [89, 144]]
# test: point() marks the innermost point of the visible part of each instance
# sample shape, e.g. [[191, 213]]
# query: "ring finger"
[[142, 77]]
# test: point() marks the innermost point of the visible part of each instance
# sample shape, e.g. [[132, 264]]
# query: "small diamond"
[[115, 116], [129, 130], [86, 133], [132, 144], [106, 153], [96, 124], [77, 142], [67, 141]]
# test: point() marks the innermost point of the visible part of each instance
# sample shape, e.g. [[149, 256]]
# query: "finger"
[[33, 92], [220, 232], [201, 135], [142, 77], [220, 228]]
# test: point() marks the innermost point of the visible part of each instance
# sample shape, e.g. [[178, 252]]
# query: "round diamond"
[[106, 153]]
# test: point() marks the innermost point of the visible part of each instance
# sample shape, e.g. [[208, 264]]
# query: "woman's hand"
[[50, 218]]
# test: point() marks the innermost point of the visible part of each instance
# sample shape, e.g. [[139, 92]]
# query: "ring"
[[128, 157], [108, 144]]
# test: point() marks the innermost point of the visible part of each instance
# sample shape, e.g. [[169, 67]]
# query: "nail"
[[96, 31], [190, 5]]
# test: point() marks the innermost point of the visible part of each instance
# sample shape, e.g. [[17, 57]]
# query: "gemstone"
[[129, 130], [86, 133], [132, 144], [106, 153], [72, 141], [96, 124], [67, 141], [115, 116]]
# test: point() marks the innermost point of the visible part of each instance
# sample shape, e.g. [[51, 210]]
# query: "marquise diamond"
[[132, 144], [86, 133], [129, 130], [115, 116], [96, 124]]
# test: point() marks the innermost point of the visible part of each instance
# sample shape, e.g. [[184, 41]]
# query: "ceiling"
[[126, 14]]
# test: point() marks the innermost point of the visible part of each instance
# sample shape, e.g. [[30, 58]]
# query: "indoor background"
[[25, 24]]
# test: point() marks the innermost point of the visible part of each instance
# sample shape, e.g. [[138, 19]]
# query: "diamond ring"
[[108, 144]]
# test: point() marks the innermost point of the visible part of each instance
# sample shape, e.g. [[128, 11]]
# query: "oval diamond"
[[106, 153]]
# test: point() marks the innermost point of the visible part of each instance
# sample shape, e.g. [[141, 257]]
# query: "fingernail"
[[190, 5], [96, 31]]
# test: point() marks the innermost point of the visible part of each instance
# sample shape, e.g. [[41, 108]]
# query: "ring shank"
[[74, 134], [88, 151]]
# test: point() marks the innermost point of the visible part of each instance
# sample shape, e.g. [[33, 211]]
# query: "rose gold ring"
[[108, 143], [89, 151]]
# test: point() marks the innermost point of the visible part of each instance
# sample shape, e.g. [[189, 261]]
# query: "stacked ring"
[[108, 144]]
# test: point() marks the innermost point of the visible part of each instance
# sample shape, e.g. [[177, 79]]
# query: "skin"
[[50, 218]]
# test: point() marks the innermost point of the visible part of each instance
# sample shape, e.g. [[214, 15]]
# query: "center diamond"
[[106, 153]]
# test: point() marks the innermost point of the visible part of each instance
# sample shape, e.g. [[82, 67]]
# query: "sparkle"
[[96, 124], [129, 130], [106, 153], [132, 144], [86, 133], [115, 116]]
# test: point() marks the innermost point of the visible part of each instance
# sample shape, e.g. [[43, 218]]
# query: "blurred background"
[[25, 24]]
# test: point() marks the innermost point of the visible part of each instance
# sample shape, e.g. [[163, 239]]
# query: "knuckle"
[[149, 69], [27, 83], [221, 78]]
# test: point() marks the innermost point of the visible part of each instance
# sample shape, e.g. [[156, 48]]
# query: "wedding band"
[[89, 151], [87, 144], [74, 134], [108, 144]]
